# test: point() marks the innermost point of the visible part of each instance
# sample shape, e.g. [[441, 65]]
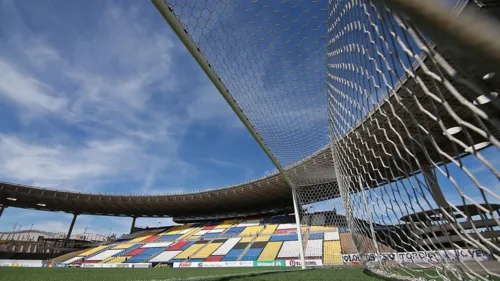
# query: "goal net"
[[382, 116], [414, 126]]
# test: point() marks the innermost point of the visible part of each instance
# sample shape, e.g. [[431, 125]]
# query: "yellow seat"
[[117, 260], [317, 228], [251, 230], [123, 246], [262, 238], [270, 251], [332, 252], [246, 239], [189, 251], [206, 251], [141, 238], [269, 229], [226, 224], [333, 259], [93, 250]]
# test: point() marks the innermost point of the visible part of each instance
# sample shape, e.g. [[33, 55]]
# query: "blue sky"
[[101, 96]]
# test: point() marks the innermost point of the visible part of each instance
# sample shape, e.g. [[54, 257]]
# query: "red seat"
[[136, 251], [214, 258], [177, 246], [151, 238], [284, 231]]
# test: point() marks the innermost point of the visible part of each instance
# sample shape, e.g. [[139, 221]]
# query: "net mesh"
[[389, 139], [272, 62]]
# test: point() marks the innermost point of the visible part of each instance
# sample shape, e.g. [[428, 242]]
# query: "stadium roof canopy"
[[272, 193], [461, 211], [268, 194]]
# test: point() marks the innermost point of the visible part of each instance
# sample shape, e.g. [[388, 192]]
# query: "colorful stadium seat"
[[270, 251], [206, 251], [261, 239], [190, 251], [233, 255], [291, 237], [145, 255], [269, 229], [252, 254]]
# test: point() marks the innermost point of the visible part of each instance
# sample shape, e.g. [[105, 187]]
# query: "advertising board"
[[294, 263], [214, 264], [117, 265], [268, 263], [420, 256]]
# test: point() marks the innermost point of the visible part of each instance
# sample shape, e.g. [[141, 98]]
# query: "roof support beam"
[[2, 209], [133, 225], [71, 227]]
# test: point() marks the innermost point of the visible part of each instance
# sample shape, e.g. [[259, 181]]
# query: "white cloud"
[[65, 166], [149, 181], [221, 162], [27, 90], [246, 172], [39, 52], [103, 87], [153, 222], [101, 110]]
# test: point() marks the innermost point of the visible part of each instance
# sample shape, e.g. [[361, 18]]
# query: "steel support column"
[[71, 227], [133, 225]]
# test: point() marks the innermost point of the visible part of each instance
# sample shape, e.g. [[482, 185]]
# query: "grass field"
[[185, 274]]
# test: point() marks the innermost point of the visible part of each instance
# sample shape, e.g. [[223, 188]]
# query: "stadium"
[[397, 180]]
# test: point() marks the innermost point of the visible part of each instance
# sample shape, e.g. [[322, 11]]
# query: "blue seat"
[[233, 231], [168, 237], [144, 255], [315, 236], [233, 255], [211, 235], [290, 237], [252, 254]]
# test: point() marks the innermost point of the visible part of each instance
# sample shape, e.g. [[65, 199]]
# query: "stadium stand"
[[263, 239], [73, 256], [103, 255]]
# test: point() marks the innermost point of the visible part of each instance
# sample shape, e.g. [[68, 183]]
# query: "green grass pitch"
[[185, 274]]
